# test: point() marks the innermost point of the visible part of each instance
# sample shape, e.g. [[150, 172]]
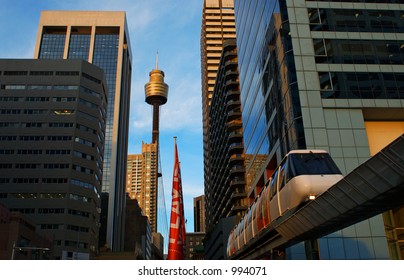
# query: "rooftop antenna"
[[157, 60]]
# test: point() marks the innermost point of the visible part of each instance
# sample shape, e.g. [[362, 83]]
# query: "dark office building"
[[199, 214], [52, 119], [323, 75]]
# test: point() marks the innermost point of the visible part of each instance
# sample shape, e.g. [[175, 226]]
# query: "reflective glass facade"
[[53, 43], [106, 57], [79, 46], [311, 74], [269, 93]]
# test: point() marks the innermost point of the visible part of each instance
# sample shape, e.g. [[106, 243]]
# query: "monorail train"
[[302, 176]]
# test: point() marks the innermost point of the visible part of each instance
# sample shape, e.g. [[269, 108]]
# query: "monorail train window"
[[312, 163], [273, 184], [281, 179]]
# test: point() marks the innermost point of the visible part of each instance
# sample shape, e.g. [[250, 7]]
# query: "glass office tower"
[[323, 75], [101, 38]]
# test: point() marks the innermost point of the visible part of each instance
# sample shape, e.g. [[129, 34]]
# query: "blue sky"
[[171, 27]]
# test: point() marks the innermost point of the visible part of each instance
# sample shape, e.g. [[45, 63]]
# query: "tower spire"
[[157, 60]]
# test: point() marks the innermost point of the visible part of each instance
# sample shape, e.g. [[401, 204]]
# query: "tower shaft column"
[[156, 120]]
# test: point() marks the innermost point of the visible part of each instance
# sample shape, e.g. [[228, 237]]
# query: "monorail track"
[[372, 188]]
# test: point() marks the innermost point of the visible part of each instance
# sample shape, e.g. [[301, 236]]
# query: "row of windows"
[[386, 21], [82, 169], [85, 185], [362, 85], [45, 196], [46, 166], [37, 99], [62, 226], [359, 51], [41, 73], [36, 138], [78, 213], [36, 124], [33, 180], [51, 211], [84, 142], [49, 87]]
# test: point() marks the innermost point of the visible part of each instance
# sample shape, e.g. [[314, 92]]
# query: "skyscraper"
[[134, 177], [225, 192], [141, 184], [325, 75], [52, 119], [101, 38], [218, 24]]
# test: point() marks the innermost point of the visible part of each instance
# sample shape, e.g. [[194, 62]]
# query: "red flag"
[[176, 240]]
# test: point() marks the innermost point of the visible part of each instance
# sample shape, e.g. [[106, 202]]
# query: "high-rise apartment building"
[[53, 118], [101, 38], [134, 176], [322, 75], [218, 24], [225, 192], [141, 183]]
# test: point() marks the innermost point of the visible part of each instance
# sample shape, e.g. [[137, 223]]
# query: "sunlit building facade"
[[101, 38], [217, 25], [141, 181], [134, 176], [323, 75]]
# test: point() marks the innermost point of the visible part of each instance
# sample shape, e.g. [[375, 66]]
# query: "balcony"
[[235, 136], [237, 181], [231, 104], [233, 114], [234, 148], [237, 169]]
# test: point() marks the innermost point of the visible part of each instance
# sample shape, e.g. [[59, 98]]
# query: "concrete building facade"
[[53, 118], [225, 192], [218, 24], [101, 38], [141, 180], [134, 176]]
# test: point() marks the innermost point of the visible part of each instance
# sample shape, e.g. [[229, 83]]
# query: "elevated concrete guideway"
[[372, 188]]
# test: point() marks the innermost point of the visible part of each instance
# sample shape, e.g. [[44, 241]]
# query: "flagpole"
[[176, 240]]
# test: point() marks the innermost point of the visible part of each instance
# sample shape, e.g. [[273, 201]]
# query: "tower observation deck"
[[156, 95]]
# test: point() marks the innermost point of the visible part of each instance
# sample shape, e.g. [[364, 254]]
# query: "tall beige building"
[[218, 24], [134, 176], [101, 38], [141, 181]]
